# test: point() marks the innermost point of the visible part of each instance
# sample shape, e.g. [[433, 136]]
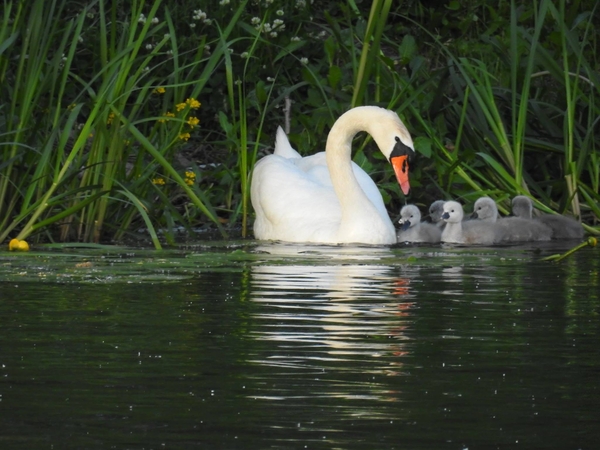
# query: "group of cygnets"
[[485, 226]]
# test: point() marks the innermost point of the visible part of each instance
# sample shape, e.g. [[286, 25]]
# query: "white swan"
[[562, 227], [325, 197], [468, 232], [413, 230], [516, 229]]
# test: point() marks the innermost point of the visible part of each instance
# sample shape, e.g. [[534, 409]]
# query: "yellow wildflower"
[[166, 115], [17, 245], [184, 136], [180, 106], [193, 121], [159, 90], [111, 116], [194, 104], [189, 177], [159, 181]]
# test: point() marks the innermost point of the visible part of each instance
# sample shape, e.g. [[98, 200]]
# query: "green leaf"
[[334, 76], [423, 146], [330, 47], [225, 124], [142, 210], [407, 49], [261, 92]]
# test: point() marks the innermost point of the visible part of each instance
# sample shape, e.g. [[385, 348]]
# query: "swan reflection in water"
[[331, 326]]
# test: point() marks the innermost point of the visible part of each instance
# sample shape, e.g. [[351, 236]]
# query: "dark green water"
[[291, 347]]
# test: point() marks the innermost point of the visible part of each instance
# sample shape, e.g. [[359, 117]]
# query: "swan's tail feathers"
[[283, 147]]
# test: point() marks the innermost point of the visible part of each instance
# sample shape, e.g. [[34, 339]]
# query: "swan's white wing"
[[316, 167], [283, 147], [291, 203]]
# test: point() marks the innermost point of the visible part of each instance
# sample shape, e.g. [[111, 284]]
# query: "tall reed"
[[71, 167]]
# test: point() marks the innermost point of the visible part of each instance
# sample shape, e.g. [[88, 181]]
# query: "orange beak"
[[400, 165]]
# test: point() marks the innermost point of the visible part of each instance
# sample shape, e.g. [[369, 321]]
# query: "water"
[[243, 346]]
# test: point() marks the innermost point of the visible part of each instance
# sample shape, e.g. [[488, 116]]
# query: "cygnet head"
[[485, 209], [409, 217], [436, 210], [522, 207], [453, 212]]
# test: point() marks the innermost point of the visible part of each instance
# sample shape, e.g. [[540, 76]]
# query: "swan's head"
[[388, 131], [400, 157], [485, 209], [409, 217], [394, 141], [453, 212]]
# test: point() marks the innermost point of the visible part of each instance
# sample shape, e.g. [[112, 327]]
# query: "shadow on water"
[[253, 346]]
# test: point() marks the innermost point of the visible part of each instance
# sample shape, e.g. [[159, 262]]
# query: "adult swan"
[[325, 197]]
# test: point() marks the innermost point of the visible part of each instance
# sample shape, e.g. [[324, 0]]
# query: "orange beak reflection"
[[400, 165]]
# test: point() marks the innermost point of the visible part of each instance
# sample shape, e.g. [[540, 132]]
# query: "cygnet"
[[435, 213], [469, 232], [413, 230], [515, 229], [562, 227]]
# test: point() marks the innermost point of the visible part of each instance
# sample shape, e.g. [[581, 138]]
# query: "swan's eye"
[[401, 149]]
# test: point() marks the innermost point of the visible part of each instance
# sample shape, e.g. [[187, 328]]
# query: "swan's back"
[[286, 187], [413, 230]]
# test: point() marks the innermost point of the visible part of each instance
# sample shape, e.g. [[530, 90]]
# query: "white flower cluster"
[[267, 28], [142, 19], [200, 15]]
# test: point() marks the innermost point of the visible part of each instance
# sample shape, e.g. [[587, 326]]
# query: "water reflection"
[[338, 312]]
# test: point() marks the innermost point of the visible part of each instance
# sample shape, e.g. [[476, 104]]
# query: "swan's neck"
[[338, 152], [358, 212]]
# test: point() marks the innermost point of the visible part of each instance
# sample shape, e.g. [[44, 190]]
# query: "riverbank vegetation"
[[119, 116]]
